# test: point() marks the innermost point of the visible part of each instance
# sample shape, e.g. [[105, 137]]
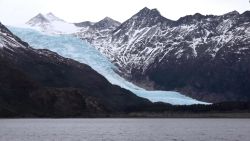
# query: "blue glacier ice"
[[71, 47]]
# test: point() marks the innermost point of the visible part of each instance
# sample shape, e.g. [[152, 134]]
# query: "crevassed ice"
[[74, 48]]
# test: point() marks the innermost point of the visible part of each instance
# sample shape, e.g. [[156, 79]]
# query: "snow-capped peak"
[[51, 17], [51, 24], [38, 19]]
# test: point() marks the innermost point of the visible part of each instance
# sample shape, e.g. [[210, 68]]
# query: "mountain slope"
[[205, 57], [42, 83]]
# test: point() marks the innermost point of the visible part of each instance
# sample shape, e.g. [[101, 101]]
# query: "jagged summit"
[[190, 18], [148, 12], [39, 18], [145, 9], [148, 17], [198, 15], [233, 13], [155, 10], [105, 23], [143, 19], [109, 20], [51, 17]]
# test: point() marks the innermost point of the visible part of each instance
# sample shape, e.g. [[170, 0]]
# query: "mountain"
[[38, 19], [203, 56], [69, 46], [38, 82], [84, 24], [49, 23], [104, 24], [115, 44], [96, 31]]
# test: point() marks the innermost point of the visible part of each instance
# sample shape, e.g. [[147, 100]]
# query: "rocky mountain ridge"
[[202, 56], [183, 54]]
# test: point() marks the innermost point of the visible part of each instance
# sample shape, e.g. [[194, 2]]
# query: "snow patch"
[[194, 45], [1, 44]]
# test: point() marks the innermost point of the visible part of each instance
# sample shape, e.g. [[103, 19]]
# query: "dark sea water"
[[124, 129]]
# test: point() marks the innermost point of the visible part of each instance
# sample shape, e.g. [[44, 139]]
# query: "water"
[[71, 47], [124, 129]]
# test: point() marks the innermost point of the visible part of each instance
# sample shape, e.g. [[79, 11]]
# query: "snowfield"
[[71, 47]]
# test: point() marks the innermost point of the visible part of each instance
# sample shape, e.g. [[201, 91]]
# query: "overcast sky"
[[14, 12]]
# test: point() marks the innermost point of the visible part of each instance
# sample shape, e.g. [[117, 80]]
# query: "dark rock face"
[[42, 83], [144, 18], [106, 23], [203, 56]]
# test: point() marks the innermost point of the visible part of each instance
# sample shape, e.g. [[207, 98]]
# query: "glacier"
[[71, 47]]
